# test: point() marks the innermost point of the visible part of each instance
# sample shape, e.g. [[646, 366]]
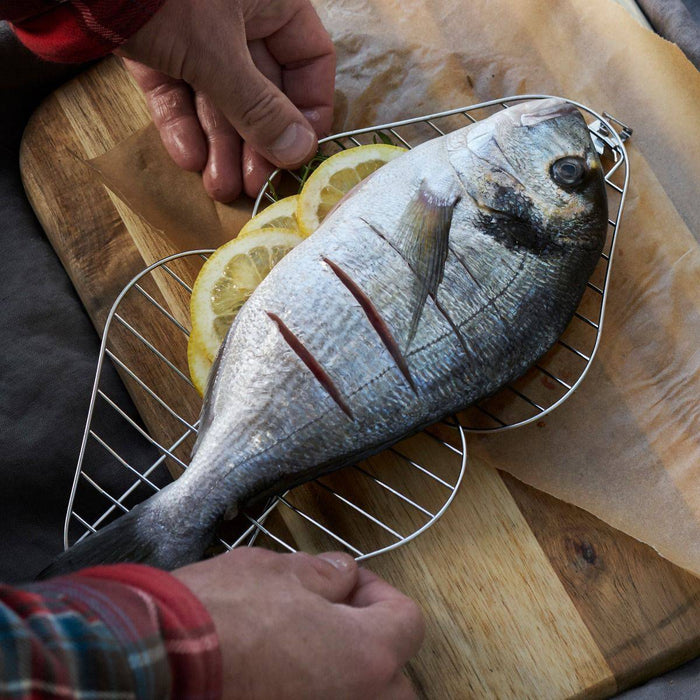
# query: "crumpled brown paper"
[[626, 445], [140, 171]]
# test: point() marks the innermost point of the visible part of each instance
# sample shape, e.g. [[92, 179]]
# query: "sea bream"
[[435, 282]]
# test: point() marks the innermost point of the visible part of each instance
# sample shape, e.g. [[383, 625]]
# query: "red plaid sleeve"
[[72, 31], [112, 632]]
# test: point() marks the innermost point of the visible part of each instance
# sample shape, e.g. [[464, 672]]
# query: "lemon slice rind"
[[335, 177], [228, 278], [199, 363], [278, 215]]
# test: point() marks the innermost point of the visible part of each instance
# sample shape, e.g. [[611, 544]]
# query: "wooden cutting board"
[[525, 596]]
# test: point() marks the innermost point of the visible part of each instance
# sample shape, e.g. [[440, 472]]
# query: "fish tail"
[[137, 537]]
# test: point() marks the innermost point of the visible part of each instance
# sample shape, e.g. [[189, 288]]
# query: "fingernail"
[[342, 562], [311, 115], [293, 145]]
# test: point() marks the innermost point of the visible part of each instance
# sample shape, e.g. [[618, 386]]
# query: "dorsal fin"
[[423, 238]]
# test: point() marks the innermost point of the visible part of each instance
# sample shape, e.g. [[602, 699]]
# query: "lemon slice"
[[228, 278], [335, 177], [281, 214], [199, 363]]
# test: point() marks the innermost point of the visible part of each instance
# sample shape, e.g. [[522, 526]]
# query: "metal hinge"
[[603, 138]]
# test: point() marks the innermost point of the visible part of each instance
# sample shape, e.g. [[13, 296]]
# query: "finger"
[[389, 614], [400, 688], [256, 168], [308, 66], [256, 171], [372, 589], [222, 174], [172, 109], [265, 62], [332, 575]]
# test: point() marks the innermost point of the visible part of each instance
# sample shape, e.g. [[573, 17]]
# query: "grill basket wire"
[[367, 509]]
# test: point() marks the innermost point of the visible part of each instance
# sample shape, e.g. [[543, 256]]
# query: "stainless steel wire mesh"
[[367, 509]]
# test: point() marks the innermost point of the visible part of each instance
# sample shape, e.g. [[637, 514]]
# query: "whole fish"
[[435, 282]]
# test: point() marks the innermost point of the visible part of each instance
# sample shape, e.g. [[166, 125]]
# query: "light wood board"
[[525, 596]]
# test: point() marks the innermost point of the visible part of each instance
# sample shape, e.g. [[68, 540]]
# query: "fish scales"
[[436, 281]]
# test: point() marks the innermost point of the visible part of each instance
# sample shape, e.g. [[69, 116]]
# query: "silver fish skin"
[[437, 280]]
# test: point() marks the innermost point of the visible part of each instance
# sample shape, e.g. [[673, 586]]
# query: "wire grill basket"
[[366, 509]]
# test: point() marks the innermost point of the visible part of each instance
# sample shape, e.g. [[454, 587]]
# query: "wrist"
[[69, 32], [184, 625]]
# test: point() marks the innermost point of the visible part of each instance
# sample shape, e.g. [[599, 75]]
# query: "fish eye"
[[569, 171]]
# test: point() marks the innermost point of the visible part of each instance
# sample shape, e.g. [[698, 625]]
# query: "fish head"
[[534, 176]]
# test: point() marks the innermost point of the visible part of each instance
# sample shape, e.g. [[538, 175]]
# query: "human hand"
[[298, 626], [234, 86]]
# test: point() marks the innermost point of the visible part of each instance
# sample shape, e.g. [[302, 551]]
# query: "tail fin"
[[135, 537]]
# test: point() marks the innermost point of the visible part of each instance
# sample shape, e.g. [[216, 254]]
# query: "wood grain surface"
[[525, 596]]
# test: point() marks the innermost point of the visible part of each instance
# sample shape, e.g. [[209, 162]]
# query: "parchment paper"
[[626, 445], [140, 171]]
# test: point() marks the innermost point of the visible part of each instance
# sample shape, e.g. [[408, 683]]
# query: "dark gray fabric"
[[681, 684], [48, 350], [693, 6], [677, 21]]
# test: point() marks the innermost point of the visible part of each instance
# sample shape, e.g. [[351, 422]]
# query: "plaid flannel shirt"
[[73, 31], [109, 633]]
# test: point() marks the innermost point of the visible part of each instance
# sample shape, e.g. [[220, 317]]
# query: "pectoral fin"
[[423, 237]]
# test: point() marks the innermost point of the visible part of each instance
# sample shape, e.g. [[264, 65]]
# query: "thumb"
[[332, 575], [264, 116]]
